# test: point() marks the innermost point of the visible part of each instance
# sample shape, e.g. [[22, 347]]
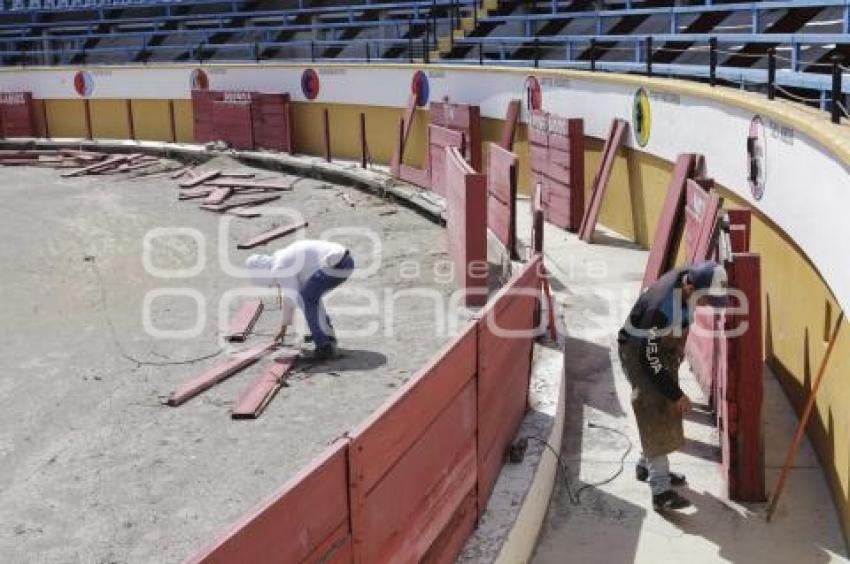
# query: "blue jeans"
[[659, 472], [319, 284]]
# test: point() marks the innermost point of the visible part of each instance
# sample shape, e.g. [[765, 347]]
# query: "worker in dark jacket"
[[651, 347]]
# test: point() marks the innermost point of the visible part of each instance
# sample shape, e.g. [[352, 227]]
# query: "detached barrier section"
[[501, 196], [17, 117], [306, 521], [413, 464], [467, 227], [556, 150], [245, 120], [506, 329]]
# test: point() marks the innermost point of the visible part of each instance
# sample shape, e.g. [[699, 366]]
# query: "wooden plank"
[[200, 179], [237, 184], [194, 193], [181, 171], [218, 195], [506, 139], [501, 196], [669, 228], [247, 213], [306, 520], [233, 203], [115, 160], [600, 182], [271, 235], [242, 323], [707, 239], [404, 135], [218, 373], [260, 393], [236, 174]]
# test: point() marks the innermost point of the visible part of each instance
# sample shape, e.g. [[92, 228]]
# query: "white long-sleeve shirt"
[[292, 266]]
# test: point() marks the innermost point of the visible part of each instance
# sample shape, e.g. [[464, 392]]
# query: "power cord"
[[575, 497], [104, 306]]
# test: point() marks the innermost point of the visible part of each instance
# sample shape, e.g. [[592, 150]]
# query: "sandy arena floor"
[[93, 468]]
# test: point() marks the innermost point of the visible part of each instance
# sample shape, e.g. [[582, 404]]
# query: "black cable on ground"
[[104, 305], [575, 497]]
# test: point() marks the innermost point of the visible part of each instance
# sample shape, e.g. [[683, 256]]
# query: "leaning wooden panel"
[[465, 119], [501, 196], [600, 181], [467, 227], [439, 139], [309, 512]]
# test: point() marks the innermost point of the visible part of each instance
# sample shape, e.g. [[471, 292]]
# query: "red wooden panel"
[[501, 196], [466, 198], [506, 139], [745, 366], [463, 118], [17, 114], [701, 347], [706, 242], [418, 176], [271, 235], [505, 340], [305, 521], [445, 549], [383, 438], [600, 182], [668, 230], [413, 461], [439, 139], [538, 128], [261, 391], [739, 230], [244, 320]]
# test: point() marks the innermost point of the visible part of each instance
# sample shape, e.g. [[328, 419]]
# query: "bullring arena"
[[503, 218]]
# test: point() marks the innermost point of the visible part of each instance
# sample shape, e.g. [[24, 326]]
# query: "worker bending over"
[[651, 346], [303, 273]]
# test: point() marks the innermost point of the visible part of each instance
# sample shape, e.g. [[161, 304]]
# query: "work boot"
[[669, 500], [676, 479], [309, 339]]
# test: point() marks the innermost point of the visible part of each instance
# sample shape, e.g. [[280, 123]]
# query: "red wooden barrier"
[[505, 340], [243, 119], [440, 139], [306, 521], [413, 464], [701, 212], [669, 229], [271, 122], [740, 222], [467, 226], [501, 196], [17, 117], [742, 394], [465, 119], [556, 149], [600, 181]]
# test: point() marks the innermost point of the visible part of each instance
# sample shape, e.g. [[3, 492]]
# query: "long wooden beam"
[[218, 373], [259, 394], [270, 235], [244, 321], [600, 182]]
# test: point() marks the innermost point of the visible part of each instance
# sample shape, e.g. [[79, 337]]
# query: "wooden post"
[[87, 108], [327, 132], [804, 420], [46, 123], [172, 122], [364, 150], [130, 124]]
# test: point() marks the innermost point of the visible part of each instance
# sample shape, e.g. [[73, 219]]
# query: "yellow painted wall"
[[183, 123], [66, 118], [109, 119], [152, 120]]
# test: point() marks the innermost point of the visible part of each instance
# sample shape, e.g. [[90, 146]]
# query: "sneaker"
[[676, 479], [669, 500], [324, 352]]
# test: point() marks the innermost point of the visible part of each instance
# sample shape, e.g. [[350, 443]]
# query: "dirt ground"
[[93, 467]]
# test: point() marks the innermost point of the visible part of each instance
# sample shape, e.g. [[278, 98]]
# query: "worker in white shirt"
[[303, 273]]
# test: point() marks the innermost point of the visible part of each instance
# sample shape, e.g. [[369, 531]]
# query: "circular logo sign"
[[199, 80], [84, 83], [310, 84], [756, 157], [641, 117], [419, 86], [533, 94]]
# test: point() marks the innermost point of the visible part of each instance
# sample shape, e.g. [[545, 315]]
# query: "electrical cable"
[[575, 497], [104, 304], [797, 97]]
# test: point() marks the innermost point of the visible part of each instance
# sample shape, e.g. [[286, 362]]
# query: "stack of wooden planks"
[[81, 163]]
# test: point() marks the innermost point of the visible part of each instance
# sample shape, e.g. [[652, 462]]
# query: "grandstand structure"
[[795, 46]]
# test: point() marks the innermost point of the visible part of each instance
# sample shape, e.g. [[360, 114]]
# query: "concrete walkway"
[[595, 286]]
